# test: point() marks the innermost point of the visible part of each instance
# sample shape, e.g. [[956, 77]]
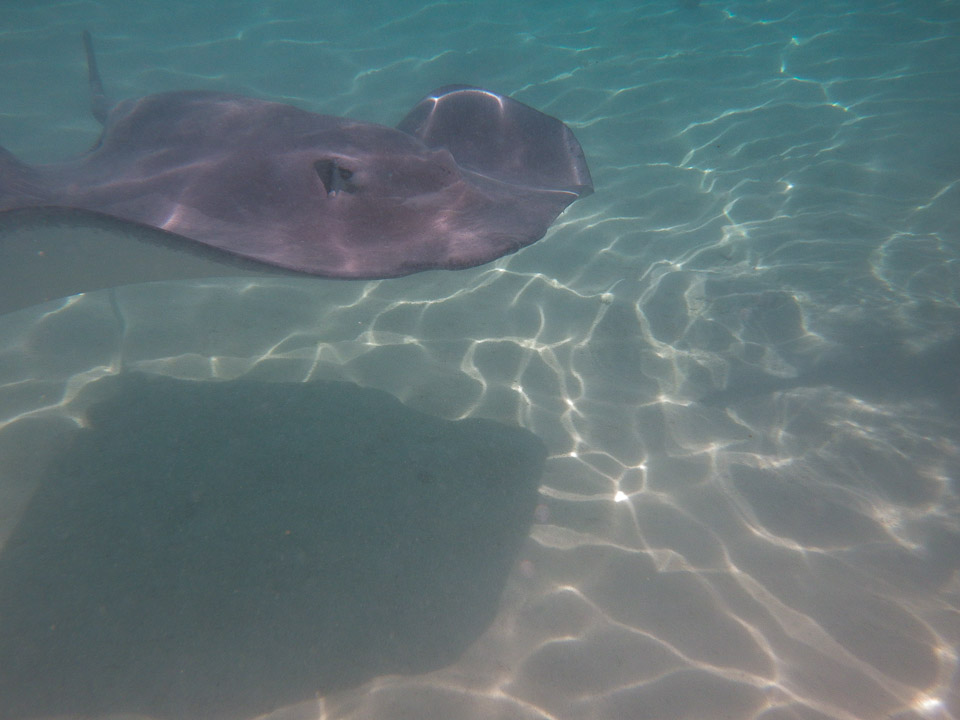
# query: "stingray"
[[466, 177]]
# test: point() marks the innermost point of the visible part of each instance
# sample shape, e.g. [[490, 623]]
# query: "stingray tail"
[[99, 104]]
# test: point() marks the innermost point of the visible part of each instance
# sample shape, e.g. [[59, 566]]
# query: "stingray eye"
[[334, 177]]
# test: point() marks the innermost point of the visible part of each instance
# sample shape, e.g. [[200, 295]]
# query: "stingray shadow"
[[222, 549]]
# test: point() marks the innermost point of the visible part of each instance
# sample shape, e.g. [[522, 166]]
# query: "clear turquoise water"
[[742, 351]]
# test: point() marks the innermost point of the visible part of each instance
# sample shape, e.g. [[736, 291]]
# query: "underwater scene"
[[610, 372]]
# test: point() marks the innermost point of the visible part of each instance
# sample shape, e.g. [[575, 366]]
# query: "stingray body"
[[467, 176]]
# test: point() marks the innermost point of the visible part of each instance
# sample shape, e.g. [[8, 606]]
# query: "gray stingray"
[[466, 177]]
